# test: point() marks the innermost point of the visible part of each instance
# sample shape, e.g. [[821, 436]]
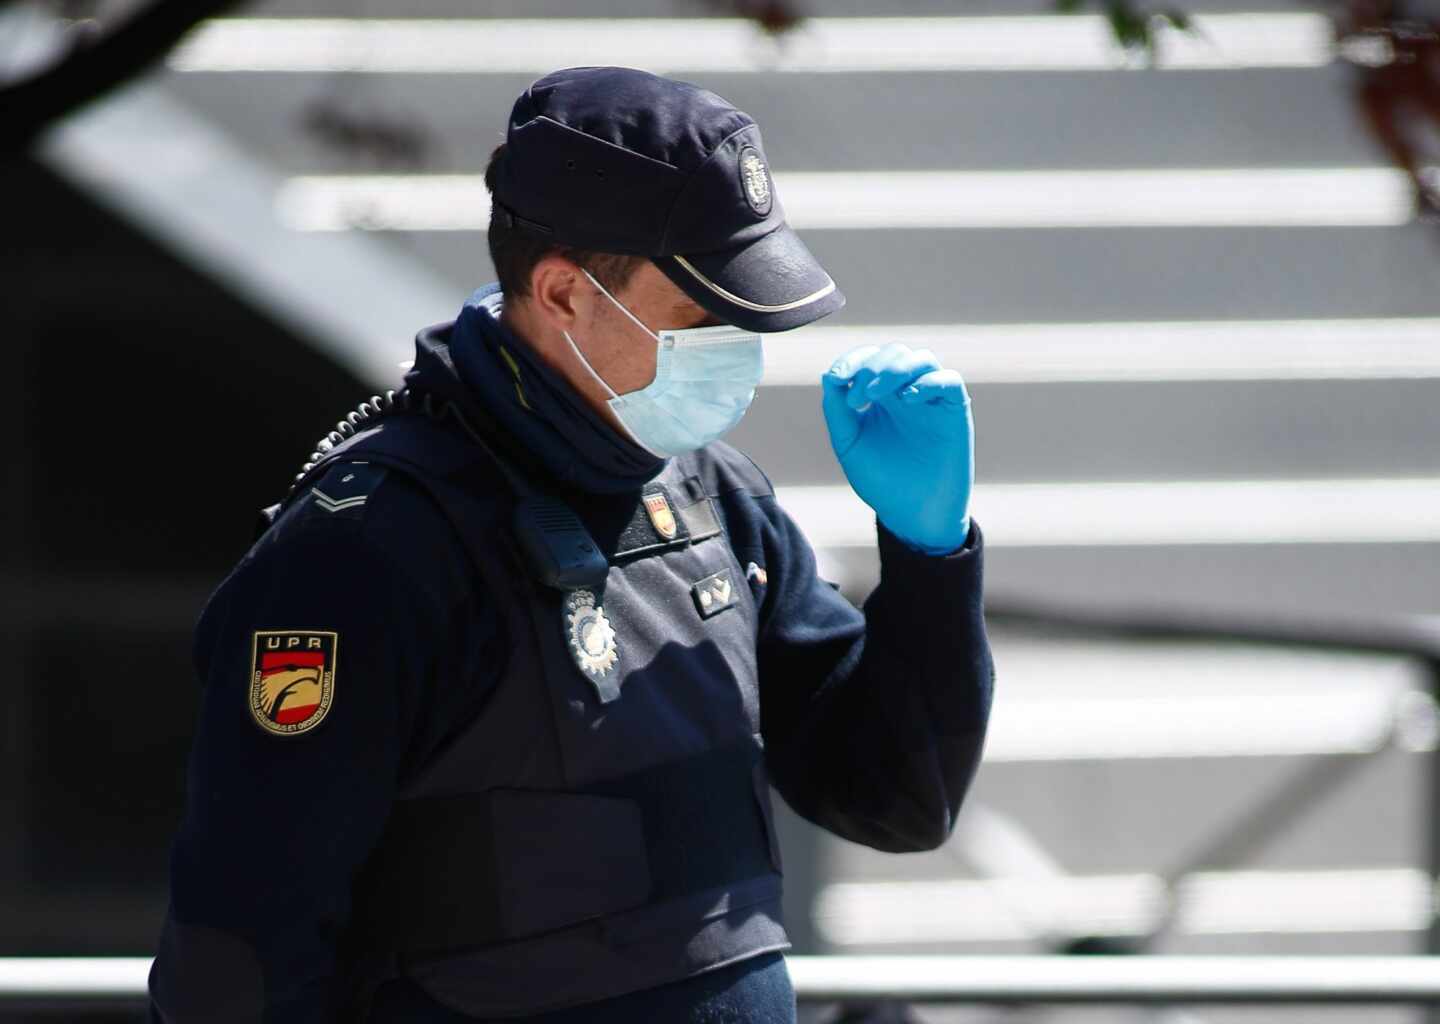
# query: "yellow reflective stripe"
[[515, 370]]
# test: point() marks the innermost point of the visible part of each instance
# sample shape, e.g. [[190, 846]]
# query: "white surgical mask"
[[705, 379]]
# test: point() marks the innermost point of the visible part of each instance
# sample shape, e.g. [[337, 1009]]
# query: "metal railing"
[[1416, 637], [118, 983]]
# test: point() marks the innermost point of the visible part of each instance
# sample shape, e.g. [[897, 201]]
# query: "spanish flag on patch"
[[292, 679]]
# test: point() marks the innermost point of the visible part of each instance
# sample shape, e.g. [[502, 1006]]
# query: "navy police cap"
[[623, 161]]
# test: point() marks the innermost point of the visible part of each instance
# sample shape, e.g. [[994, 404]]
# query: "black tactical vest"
[[604, 825]]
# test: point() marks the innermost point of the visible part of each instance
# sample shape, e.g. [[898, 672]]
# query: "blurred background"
[[1187, 261]]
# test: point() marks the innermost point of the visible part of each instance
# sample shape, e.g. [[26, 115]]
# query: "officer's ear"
[[559, 292]]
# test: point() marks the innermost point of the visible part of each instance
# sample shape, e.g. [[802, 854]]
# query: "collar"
[[500, 373]]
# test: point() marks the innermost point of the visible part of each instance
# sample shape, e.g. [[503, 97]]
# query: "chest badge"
[[661, 517], [713, 594], [592, 638]]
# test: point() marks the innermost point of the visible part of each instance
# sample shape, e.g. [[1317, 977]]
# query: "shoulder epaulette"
[[344, 488]]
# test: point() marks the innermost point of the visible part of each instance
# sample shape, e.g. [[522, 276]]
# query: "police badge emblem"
[[592, 639], [660, 515], [755, 177], [292, 679]]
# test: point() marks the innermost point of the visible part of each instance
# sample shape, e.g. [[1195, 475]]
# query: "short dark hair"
[[515, 251]]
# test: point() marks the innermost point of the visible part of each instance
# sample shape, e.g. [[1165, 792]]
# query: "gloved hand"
[[902, 430]]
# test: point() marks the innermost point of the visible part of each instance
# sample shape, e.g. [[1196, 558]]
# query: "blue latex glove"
[[902, 430]]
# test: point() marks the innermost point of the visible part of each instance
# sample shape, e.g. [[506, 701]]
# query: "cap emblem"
[[755, 176]]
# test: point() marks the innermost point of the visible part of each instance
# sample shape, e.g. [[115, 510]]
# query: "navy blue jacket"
[[873, 721]]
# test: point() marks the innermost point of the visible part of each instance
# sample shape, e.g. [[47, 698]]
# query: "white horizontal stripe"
[[1162, 982], [1335, 511], [1186, 197], [1188, 725], [1217, 903], [916, 200], [820, 45], [1197, 700], [100, 978], [384, 202], [1155, 351], [930, 977]]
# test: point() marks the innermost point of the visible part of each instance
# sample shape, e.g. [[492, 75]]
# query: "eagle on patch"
[[292, 679]]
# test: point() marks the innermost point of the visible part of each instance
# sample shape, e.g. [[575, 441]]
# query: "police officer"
[[492, 707]]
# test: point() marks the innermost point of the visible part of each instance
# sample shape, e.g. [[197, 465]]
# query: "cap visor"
[[770, 284]]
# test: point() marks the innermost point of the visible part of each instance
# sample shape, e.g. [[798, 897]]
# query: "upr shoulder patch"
[[292, 679]]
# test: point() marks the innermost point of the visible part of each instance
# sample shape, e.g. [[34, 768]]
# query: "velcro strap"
[[655, 525], [691, 518], [703, 822], [464, 871]]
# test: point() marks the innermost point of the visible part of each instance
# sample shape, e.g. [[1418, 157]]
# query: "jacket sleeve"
[[276, 826], [874, 723]]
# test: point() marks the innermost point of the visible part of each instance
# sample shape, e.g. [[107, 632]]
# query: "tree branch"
[[95, 66]]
